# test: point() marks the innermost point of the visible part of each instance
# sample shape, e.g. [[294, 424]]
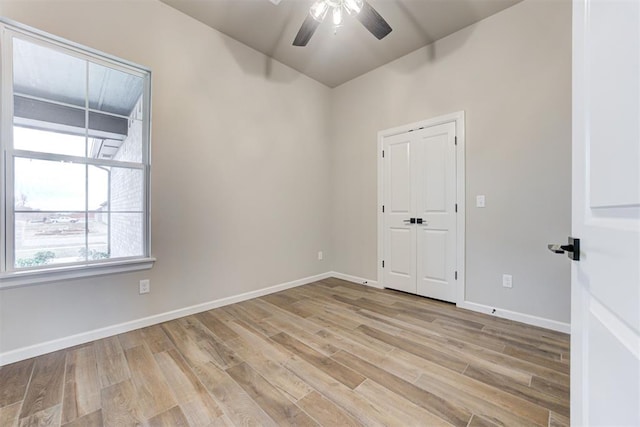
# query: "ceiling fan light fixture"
[[353, 6], [319, 10], [337, 16]]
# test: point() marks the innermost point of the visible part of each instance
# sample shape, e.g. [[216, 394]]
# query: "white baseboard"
[[529, 319], [96, 334], [356, 279]]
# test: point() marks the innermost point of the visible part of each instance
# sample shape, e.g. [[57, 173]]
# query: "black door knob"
[[572, 249]]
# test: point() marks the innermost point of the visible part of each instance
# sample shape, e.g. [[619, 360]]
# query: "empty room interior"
[[297, 212]]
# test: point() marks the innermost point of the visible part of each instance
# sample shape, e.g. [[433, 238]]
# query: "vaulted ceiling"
[[334, 57]]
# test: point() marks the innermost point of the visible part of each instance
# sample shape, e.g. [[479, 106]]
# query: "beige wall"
[[511, 74], [240, 171]]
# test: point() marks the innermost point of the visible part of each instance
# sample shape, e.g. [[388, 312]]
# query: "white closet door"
[[399, 234], [435, 193], [419, 193]]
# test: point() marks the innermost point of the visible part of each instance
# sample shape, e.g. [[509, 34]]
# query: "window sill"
[[25, 278]]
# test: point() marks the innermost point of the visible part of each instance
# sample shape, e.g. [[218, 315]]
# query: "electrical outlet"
[[145, 286], [507, 280], [320, 256]]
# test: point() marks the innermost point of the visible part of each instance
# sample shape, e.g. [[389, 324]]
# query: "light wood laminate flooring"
[[330, 353]]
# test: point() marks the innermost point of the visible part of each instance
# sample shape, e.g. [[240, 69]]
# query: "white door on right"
[[605, 288]]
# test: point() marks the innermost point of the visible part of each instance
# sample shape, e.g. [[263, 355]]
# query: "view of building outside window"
[[78, 163]]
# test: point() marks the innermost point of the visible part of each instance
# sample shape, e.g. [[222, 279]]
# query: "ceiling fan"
[[363, 11]]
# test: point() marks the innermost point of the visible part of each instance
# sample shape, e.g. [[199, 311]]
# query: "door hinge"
[[382, 208], [383, 154], [456, 207], [456, 275], [455, 139], [383, 264]]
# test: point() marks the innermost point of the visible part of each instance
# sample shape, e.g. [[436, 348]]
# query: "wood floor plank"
[[271, 368], [480, 398], [216, 326], [334, 369], [456, 415], [46, 385], [400, 408], [152, 391], [170, 418], [112, 366], [325, 412], [82, 384], [300, 321], [93, 419], [465, 352], [213, 348], [156, 339], [523, 336], [287, 303], [196, 403], [120, 405], [256, 309], [491, 403], [131, 339], [477, 421], [428, 353], [48, 417], [275, 404], [14, 379], [311, 339], [188, 347], [358, 407], [9, 414], [556, 420], [559, 391], [561, 406], [234, 401], [404, 371], [526, 354]]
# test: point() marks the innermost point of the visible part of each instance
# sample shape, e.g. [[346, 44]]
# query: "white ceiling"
[[329, 58]]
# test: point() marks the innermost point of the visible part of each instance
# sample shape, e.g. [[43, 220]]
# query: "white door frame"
[[458, 119]]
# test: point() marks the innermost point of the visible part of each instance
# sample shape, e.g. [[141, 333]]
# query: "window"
[[75, 160]]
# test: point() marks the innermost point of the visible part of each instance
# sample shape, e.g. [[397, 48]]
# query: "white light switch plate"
[[480, 201]]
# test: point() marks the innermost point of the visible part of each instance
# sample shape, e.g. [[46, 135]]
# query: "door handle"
[[415, 221], [572, 248]]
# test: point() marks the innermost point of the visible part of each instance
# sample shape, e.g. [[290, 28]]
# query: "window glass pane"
[[48, 238], [127, 188], [49, 74], [98, 229], [116, 189], [125, 234], [49, 91], [114, 92], [99, 188], [43, 185], [48, 142]]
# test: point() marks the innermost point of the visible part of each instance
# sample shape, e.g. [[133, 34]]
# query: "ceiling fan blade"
[[373, 22], [306, 31]]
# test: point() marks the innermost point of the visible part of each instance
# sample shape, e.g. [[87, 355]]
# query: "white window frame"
[[9, 275]]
